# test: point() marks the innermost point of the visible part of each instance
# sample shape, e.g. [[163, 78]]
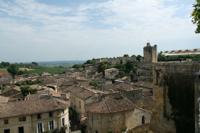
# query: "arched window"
[[143, 120]]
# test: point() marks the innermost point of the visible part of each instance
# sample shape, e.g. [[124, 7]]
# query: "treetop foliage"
[[196, 15]]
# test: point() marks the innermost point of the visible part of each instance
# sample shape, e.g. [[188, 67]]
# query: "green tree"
[[161, 57], [102, 67], [25, 90], [77, 66], [34, 63], [13, 70], [130, 66], [4, 64], [139, 58], [196, 15]]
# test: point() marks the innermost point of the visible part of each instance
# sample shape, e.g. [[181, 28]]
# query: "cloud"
[[96, 29]]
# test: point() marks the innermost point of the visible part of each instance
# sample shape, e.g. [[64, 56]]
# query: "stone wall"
[[176, 79], [134, 118], [103, 123], [145, 72], [117, 122], [77, 104], [197, 103]]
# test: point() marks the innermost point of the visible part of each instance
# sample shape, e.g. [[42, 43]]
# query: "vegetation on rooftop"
[[96, 83], [26, 90]]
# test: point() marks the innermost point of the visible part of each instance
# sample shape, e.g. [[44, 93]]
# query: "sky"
[[57, 30]]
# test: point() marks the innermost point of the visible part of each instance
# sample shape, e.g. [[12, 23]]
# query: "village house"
[[111, 73], [12, 91], [34, 116], [5, 78], [115, 113], [79, 98]]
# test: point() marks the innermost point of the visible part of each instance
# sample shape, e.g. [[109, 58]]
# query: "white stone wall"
[[134, 118], [30, 125]]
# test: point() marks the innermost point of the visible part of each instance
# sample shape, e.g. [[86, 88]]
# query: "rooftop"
[[80, 92], [182, 52], [111, 104], [30, 107]]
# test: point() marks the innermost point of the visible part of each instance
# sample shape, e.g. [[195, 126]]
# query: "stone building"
[[150, 53], [79, 98], [115, 113], [182, 52], [36, 116], [111, 73]]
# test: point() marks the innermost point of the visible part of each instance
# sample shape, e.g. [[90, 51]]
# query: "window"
[[51, 125], [39, 127], [50, 114], [143, 120], [20, 129], [22, 118], [63, 121], [6, 130], [39, 116], [6, 121]]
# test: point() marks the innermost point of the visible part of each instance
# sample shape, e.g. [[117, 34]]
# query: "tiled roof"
[[111, 104], [80, 92], [30, 107], [182, 52], [119, 86]]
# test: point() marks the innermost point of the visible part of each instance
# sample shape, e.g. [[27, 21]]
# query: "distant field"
[[3, 69], [59, 63], [53, 67]]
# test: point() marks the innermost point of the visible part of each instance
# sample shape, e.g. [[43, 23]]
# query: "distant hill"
[[60, 63]]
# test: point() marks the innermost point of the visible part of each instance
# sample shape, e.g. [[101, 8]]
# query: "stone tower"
[[150, 53]]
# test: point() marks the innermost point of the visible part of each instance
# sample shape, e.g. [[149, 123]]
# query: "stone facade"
[[77, 104], [104, 123], [34, 116], [117, 121], [29, 123], [111, 73], [137, 118]]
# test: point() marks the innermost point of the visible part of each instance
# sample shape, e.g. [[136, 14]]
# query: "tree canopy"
[[196, 16], [13, 70]]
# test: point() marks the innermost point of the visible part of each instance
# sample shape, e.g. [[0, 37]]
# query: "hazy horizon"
[[61, 30]]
